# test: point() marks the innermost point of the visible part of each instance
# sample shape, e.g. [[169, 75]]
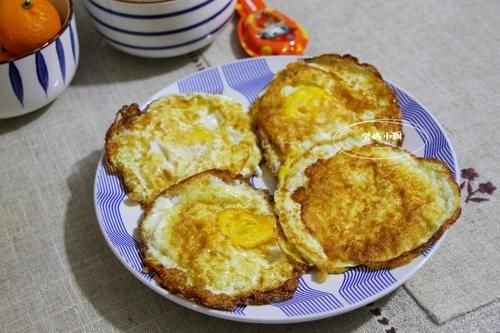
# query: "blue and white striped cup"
[[157, 28]]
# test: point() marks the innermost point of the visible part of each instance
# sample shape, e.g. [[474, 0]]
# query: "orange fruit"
[[4, 55], [27, 24]]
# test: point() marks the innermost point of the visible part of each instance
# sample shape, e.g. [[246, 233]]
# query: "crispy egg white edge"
[[289, 211], [189, 96], [160, 216], [272, 157]]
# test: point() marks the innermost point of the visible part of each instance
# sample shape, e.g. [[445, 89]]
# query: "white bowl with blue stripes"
[[340, 293], [162, 28], [31, 81]]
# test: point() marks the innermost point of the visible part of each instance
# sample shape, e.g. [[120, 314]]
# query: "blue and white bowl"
[[160, 28], [31, 81]]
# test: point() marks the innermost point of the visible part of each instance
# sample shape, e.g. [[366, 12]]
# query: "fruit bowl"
[[32, 80]]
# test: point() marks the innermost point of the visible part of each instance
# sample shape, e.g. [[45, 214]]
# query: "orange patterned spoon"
[[265, 31]]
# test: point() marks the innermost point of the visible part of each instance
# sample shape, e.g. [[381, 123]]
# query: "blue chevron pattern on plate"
[[428, 250], [307, 301], [248, 78], [436, 146], [340, 293], [361, 283], [240, 310], [109, 195], [208, 81]]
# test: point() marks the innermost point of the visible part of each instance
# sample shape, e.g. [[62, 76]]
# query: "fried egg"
[[211, 238], [315, 100], [176, 137], [373, 205]]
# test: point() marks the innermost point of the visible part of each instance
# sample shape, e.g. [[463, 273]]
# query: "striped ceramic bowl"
[[157, 28], [31, 81]]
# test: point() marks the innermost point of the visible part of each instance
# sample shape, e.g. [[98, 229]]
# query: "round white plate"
[[244, 80]]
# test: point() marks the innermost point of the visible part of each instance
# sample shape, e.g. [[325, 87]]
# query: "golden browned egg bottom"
[[377, 205]]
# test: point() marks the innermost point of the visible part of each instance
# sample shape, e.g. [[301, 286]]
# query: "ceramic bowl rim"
[[130, 6], [148, 2], [65, 25]]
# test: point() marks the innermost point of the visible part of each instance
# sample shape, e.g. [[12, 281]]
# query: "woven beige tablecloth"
[[58, 275]]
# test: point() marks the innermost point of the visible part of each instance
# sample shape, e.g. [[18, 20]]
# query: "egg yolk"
[[197, 135], [246, 229], [304, 97]]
